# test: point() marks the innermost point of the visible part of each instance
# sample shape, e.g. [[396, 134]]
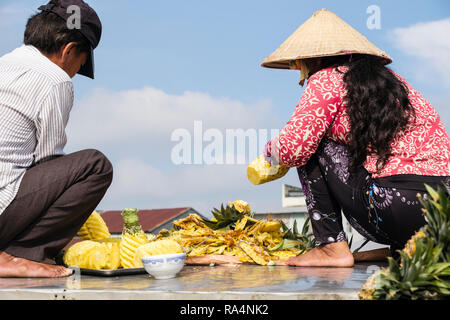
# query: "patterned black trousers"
[[383, 210]]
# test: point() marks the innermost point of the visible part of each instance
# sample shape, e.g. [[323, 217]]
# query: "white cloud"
[[137, 183], [137, 177], [133, 128], [109, 118], [428, 41]]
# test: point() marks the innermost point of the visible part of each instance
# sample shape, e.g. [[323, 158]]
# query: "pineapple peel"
[[251, 241], [241, 206]]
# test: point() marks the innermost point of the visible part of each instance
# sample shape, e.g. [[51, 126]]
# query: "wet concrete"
[[232, 282]]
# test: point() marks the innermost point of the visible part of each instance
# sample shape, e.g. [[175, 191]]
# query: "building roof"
[[149, 219]]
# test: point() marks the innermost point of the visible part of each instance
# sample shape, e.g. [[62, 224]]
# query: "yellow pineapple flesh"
[[132, 238], [87, 254], [128, 246], [113, 249], [260, 171], [157, 247], [94, 228]]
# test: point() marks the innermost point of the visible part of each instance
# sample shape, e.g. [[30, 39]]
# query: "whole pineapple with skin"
[[423, 270], [410, 247], [94, 228], [132, 237], [260, 171]]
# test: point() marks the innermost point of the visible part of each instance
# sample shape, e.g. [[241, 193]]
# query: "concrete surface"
[[246, 282]]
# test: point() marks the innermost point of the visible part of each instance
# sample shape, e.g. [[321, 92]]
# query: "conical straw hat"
[[322, 35]]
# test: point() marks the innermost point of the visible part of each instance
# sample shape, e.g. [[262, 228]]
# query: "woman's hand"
[[267, 153]]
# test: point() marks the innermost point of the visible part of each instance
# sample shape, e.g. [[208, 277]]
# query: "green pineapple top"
[[225, 217], [131, 221]]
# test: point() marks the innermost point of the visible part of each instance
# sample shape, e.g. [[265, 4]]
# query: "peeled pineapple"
[[260, 171], [128, 246], [157, 247], [94, 228], [132, 238], [98, 255], [113, 250], [87, 254]]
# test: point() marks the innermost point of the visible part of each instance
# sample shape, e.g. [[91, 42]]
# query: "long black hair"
[[377, 105]]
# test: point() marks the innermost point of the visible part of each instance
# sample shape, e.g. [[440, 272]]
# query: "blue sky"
[[161, 65]]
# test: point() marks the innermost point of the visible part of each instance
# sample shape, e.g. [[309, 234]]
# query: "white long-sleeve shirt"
[[36, 97]]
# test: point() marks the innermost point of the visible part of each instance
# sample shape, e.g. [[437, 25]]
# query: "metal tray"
[[112, 273]]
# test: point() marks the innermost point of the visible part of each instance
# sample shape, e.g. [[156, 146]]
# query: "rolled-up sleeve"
[[51, 122], [313, 116]]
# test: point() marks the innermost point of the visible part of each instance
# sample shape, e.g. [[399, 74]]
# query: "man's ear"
[[68, 49]]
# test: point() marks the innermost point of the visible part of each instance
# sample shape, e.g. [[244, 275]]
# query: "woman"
[[363, 140]]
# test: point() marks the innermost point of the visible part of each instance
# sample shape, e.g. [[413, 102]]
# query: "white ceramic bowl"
[[164, 266]]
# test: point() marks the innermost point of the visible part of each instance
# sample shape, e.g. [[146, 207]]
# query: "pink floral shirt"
[[422, 148]]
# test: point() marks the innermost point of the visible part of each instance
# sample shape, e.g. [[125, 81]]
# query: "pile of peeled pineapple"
[[232, 232]]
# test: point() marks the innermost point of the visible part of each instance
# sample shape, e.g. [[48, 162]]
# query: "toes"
[[64, 272], [68, 272]]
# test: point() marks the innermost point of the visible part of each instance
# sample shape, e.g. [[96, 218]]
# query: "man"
[[46, 196]]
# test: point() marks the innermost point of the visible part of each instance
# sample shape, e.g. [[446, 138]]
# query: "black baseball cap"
[[90, 26]]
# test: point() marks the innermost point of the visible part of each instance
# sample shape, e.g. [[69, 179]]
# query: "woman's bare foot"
[[11, 266], [335, 254]]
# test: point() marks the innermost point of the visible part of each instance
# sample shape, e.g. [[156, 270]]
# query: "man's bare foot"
[[335, 254], [11, 266]]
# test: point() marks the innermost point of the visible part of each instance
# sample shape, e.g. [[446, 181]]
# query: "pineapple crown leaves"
[[225, 217], [130, 216], [421, 276], [131, 221], [305, 240], [437, 215]]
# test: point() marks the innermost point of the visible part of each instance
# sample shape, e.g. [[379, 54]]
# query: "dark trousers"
[[54, 200], [383, 210]]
